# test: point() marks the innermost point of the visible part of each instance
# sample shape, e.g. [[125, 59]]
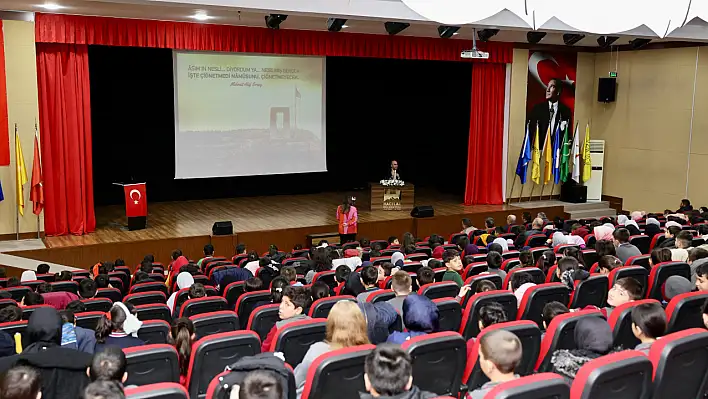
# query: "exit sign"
[[613, 74]]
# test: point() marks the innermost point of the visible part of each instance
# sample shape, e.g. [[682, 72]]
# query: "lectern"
[[135, 205], [391, 198]]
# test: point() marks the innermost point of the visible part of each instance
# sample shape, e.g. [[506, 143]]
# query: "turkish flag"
[[135, 200]]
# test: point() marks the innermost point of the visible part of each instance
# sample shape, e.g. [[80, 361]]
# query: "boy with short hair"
[[290, 274], [648, 324], [494, 262], [402, 285], [426, 275], [702, 277], [500, 353], [296, 301], [369, 278], [453, 265], [624, 290], [388, 373]]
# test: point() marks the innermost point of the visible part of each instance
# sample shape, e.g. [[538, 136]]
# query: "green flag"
[[565, 156]]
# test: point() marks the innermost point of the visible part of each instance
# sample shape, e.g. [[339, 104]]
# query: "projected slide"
[[241, 115]]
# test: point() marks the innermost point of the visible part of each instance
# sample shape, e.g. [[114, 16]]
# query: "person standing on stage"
[[347, 217], [394, 171]]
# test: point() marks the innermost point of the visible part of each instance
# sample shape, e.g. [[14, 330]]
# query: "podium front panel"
[[392, 198]]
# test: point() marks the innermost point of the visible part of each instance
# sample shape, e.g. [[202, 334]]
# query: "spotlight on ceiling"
[[535, 37], [639, 43], [447, 32], [394, 28], [335, 24], [201, 16], [571, 38], [486, 34], [273, 20], [606, 41], [51, 6]]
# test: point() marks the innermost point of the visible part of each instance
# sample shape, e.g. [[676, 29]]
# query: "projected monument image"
[[237, 114]]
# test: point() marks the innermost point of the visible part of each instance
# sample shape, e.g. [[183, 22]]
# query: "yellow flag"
[[587, 161], [535, 161], [21, 173], [547, 150]]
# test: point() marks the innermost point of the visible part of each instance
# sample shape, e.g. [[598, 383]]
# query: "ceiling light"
[[535, 37], [201, 16], [51, 6], [446, 32], [335, 24], [606, 41]]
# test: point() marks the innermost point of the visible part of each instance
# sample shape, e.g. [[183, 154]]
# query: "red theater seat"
[[144, 298], [685, 311], [206, 304], [163, 390], [469, 326], [151, 364], [661, 272], [321, 307], [539, 386], [591, 291], [438, 361], [475, 268], [245, 303], [620, 320], [450, 314], [639, 260], [262, 319], [154, 311], [621, 375], [18, 292], [380, 296], [636, 272], [327, 277], [509, 264], [89, 320], [98, 304], [536, 297], [340, 371], [560, 335], [215, 323], [233, 291], [536, 273], [294, 339], [536, 240], [154, 332], [149, 286], [680, 362], [444, 289], [113, 294]]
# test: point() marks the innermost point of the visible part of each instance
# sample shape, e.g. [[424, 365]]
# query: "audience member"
[[369, 277], [494, 262], [109, 364], [388, 374], [526, 258], [253, 284], [21, 382], [290, 274], [102, 281], [519, 284], [420, 317], [402, 286], [10, 313], [75, 337], [118, 327], [545, 261], [624, 249], [648, 324], [697, 257], [426, 275], [87, 288], [467, 226], [319, 290], [13, 282], [500, 353], [671, 230], [183, 336], [104, 390], [454, 266], [293, 305], [28, 275], [593, 338], [608, 263], [184, 280], [605, 247], [42, 268], [32, 299], [208, 254], [490, 314], [258, 384], [702, 277], [550, 311], [626, 289], [484, 286], [676, 285], [684, 240]]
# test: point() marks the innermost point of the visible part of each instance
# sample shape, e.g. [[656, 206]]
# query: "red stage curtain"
[[65, 120], [486, 144], [54, 28]]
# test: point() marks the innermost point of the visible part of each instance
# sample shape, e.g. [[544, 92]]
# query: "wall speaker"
[[607, 90], [224, 228], [423, 211]]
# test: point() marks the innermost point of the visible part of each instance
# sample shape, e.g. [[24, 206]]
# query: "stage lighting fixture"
[[639, 43], [606, 41], [51, 6], [571, 38], [535, 37], [394, 28], [447, 32], [273, 20], [486, 34], [335, 24]]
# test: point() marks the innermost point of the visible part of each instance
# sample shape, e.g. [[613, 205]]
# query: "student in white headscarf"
[[501, 241], [28, 275], [558, 239], [184, 280], [622, 220]]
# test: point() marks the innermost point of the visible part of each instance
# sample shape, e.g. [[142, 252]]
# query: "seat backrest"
[[680, 362], [444, 289], [509, 264], [530, 336], [539, 386], [590, 256], [636, 272], [591, 291], [474, 269], [215, 323], [536, 273], [560, 334], [659, 274], [154, 311], [535, 240], [149, 286], [328, 277], [154, 332], [642, 243], [113, 294], [536, 297], [245, 303], [620, 320], [438, 361], [151, 364], [144, 298], [449, 314], [340, 371], [510, 254], [685, 311], [233, 291], [89, 320], [380, 296], [469, 326], [294, 339], [205, 304], [639, 260], [18, 292], [494, 278], [625, 374], [321, 307], [97, 304], [163, 390], [67, 286], [211, 354], [262, 319], [560, 249]]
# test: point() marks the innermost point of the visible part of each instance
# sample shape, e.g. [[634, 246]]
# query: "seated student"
[[292, 308], [697, 257], [87, 288], [13, 282], [104, 390], [526, 259], [545, 261], [648, 324], [42, 268], [258, 384], [183, 336], [500, 352], [32, 299], [453, 265], [57, 300], [388, 374], [109, 365], [63, 276], [75, 337], [387, 268], [484, 286], [593, 338], [488, 315], [659, 255], [10, 313], [319, 290], [21, 382], [102, 281], [253, 284], [626, 289], [7, 345], [705, 313], [426, 275], [118, 327], [684, 239], [369, 277], [494, 262], [420, 317], [569, 271], [519, 284], [671, 231], [208, 253], [702, 277], [196, 290], [290, 274], [550, 311], [392, 240], [607, 263], [675, 285], [402, 286]]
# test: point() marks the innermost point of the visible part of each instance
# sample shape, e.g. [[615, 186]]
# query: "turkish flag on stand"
[[135, 200]]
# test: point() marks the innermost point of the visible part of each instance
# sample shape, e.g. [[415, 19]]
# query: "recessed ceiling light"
[[201, 16], [456, 33], [345, 26], [51, 6]]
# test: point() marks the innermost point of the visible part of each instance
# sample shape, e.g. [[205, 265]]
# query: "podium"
[[391, 198], [135, 205]]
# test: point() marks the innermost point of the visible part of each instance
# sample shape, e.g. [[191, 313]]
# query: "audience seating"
[[321, 307], [154, 332], [18, 292], [157, 277], [450, 314], [494, 278], [113, 294], [656, 240], [215, 323], [444, 289], [510, 254], [211, 354], [680, 362], [474, 269], [154, 311], [202, 305], [262, 319], [539, 386], [295, 339], [685, 311], [536, 273], [536, 240], [560, 335], [7, 302], [124, 278], [163, 390], [88, 320], [659, 273], [591, 291], [68, 286], [82, 273], [589, 256], [380, 296], [28, 310], [50, 278], [469, 326], [438, 361], [327, 277], [149, 286], [439, 273], [13, 327], [151, 364], [417, 257], [245, 303], [621, 375], [590, 240], [144, 298], [411, 267], [509, 264], [636, 272], [537, 252], [98, 304], [115, 282], [536, 297], [560, 249], [620, 320], [530, 336], [32, 284], [340, 371], [233, 291], [642, 243], [639, 260]]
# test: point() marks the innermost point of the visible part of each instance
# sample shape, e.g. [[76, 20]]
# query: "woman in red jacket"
[[347, 217]]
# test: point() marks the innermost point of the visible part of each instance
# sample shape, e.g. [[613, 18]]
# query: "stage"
[[283, 220]]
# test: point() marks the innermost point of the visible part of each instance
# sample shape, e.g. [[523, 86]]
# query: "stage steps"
[[594, 209]]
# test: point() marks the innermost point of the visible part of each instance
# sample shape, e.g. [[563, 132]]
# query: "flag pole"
[[17, 207], [508, 200], [521, 194]]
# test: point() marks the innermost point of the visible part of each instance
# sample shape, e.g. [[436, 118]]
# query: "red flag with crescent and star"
[[135, 200]]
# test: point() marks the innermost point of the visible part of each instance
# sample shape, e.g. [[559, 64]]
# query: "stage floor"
[[249, 214]]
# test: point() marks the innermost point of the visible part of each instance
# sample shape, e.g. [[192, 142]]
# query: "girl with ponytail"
[[183, 337], [118, 327]]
